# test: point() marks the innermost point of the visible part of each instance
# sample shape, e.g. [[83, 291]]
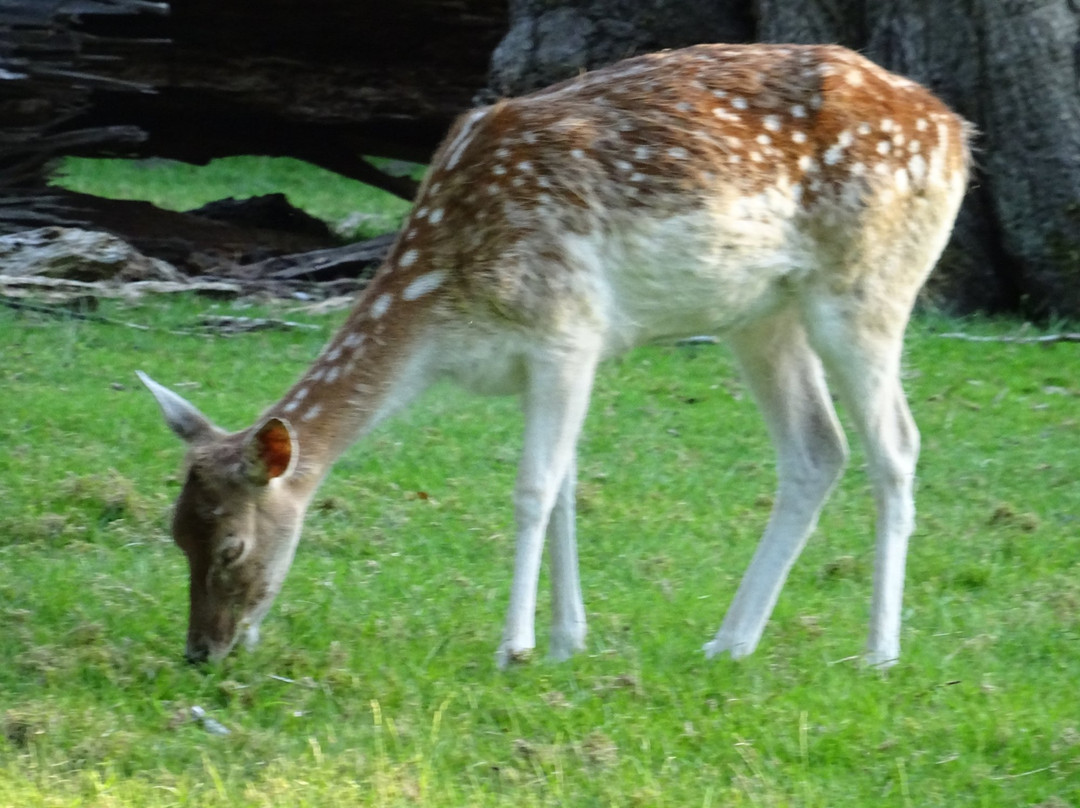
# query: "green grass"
[[350, 208], [375, 681], [387, 625]]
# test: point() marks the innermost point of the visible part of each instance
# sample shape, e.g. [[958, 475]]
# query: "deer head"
[[237, 519]]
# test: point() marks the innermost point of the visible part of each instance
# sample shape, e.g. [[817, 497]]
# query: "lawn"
[[375, 681], [348, 207]]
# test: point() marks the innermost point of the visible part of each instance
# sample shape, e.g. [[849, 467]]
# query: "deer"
[[790, 199]]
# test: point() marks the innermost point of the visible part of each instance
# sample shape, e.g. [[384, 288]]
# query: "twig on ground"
[[1044, 339], [64, 310], [307, 681], [238, 325]]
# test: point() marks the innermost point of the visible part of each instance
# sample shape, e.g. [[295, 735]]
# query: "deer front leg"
[[555, 402], [567, 606]]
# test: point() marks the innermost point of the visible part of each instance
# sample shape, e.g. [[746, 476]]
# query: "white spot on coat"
[[901, 181], [917, 168], [423, 285], [381, 305]]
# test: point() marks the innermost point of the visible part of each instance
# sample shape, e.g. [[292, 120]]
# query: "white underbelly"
[[701, 273]]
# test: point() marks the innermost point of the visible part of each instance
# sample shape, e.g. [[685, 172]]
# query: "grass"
[[350, 208], [384, 635], [375, 684]]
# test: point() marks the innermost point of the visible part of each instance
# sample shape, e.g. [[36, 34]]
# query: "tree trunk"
[[550, 41]]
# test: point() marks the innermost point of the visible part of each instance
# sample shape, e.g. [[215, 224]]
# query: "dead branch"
[[334, 263], [241, 325], [1044, 339], [59, 289]]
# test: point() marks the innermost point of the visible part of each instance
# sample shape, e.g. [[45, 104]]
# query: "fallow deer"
[[790, 198]]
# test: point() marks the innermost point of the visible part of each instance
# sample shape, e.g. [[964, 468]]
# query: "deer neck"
[[374, 365]]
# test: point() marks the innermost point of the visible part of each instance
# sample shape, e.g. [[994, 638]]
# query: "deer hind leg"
[[788, 382], [555, 402], [862, 351]]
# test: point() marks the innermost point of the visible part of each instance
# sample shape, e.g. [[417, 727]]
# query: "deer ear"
[[181, 416], [270, 451]]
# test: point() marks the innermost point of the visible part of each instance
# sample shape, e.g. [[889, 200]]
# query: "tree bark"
[[47, 80], [550, 41]]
